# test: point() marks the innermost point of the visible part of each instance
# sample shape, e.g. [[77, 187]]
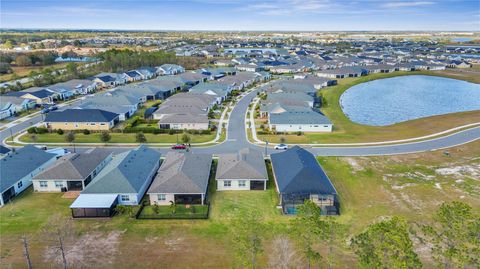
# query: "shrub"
[[86, 132], [60, 132], [32, 130], [42, 130], [299, 133], [171, 132]]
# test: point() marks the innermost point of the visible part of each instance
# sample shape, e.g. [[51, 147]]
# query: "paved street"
[[237, 138]]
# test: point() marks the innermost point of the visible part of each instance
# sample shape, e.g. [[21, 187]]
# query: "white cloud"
[[401, 4]]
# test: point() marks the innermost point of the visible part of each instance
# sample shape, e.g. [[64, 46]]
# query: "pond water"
[[393, 100]]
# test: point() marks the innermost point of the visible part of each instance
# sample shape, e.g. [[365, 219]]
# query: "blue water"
[[393, 100], [461, 39]]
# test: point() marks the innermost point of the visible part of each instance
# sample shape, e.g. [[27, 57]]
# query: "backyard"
[[345, 131], [371, 188]]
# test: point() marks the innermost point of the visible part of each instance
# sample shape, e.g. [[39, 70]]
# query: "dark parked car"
[[179, 146]]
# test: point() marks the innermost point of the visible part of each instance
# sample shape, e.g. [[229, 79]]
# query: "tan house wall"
[[154, 198], [93, 126]]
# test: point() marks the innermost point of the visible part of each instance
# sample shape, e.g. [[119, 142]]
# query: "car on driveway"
[[179, 146], [281, 146]]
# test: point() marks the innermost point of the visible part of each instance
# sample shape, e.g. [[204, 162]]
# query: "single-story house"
[[81, 119], [183, 121], [181, 179], [123, 181], [39, 95], [11, 105], [72, 172], [107, 80], [299, 120], [244, 170], [18, 167], [170, 69], [133, 75], [343, 72], [298, 177]]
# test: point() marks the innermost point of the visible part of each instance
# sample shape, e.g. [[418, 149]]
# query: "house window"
[[124, 198], [102, 123], [227, 183], [242, 183], [161, 197], [43, 184], [19, 184], [58, 184]]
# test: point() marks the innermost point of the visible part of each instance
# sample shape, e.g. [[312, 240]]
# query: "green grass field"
[[346, 131], [116, 138], [370, 188]]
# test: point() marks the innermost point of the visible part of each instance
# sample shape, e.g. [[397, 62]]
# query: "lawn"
[[370, 188], [181, 212], [116, 138], [24, 71], [346, 131]]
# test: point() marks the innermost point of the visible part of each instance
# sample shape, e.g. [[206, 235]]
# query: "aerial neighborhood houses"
[[244, 170], [182, 179], [291, 105], [18, 167], [123, 181], [103, 181]]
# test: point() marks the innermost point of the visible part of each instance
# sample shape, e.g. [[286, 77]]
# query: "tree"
[[72, 69], [105, 137], [455, 236], [70, 138], [282, 140], [306, 230], [386, 244], [247, 229], [140, 138], [60, 229], [185, 138], [23, 60], [8, 44]]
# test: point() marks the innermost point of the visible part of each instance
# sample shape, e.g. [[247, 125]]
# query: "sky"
[[259, 15]]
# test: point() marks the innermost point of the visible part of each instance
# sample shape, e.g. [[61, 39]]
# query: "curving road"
[[237, 139]]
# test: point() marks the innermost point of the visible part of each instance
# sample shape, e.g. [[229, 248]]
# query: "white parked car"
[[281, 146]]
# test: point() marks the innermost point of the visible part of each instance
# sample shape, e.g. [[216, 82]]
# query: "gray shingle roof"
[[297, 171], [299, 117], [81, 115], [246, 164], [126, 173], [183, 173], [20, 163], [75, 166]]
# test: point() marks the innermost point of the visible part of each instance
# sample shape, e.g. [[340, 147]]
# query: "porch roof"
[[94, 201]]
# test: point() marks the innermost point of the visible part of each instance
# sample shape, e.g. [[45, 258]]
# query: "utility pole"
[[11, 137], [26, 253], [266, 144]]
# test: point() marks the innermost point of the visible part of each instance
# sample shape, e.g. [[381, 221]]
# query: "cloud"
[[407, 4]]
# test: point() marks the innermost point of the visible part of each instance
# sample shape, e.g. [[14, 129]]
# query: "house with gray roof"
[[18, 167], [299, 177], [123, 181], [343, 72], [244, 170], [170, 69], [107, 80], [182, 179], [11, 105], [72, 172], [299, 120], [81, 119], [74, 87]]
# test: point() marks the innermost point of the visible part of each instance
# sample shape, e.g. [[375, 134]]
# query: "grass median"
[[115, 138]]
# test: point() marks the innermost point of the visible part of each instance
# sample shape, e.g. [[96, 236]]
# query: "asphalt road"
[[237, 139]]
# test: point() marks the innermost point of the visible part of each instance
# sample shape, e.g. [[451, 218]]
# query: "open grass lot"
[[116, 138], [371, 188], [23, 71], [346, 131]]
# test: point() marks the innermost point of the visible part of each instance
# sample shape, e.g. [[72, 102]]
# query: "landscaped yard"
[[370, 188], [180, 212], [116, 138], [346, 131]]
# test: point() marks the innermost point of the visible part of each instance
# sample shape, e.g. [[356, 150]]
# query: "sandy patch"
[[92, 248], [353, 163], [460, 171]]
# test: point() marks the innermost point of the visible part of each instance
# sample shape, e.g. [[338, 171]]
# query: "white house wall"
[[301, 127]]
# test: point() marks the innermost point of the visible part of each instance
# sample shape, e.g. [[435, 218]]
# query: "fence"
[[173, 212]]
